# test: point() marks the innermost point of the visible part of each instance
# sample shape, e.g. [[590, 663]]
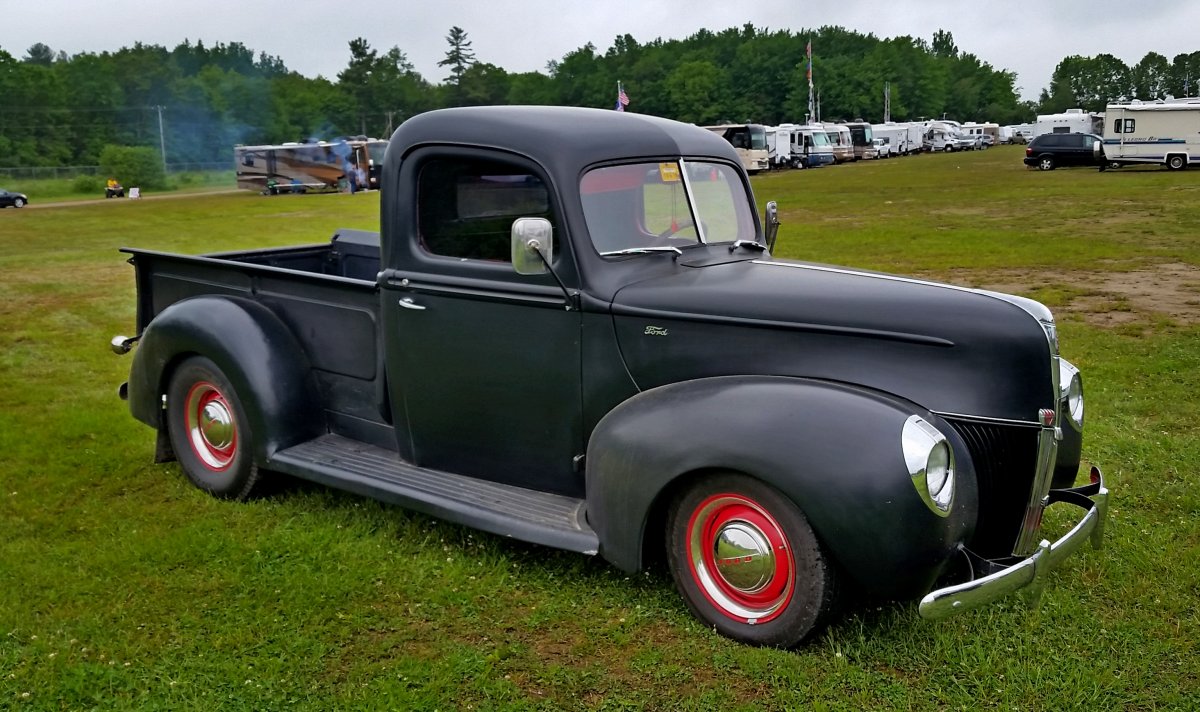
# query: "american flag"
[[622, 98]]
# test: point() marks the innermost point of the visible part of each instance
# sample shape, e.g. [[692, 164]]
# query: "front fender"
[[833, 449], [257, 353]]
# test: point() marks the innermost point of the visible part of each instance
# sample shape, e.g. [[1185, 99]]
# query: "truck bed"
[[326, 295]]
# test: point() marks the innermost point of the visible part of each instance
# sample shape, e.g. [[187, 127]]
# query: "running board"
[[525, 514]]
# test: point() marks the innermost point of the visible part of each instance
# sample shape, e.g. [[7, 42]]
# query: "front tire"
[[209, 430], [18, 203], [746, 561]]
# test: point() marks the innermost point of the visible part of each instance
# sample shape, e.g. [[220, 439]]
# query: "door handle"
[[408, 303]]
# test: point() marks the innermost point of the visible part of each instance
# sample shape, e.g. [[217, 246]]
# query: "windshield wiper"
[[642, 251], [749, 244]]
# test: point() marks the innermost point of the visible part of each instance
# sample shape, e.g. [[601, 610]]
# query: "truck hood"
[[952, 350]]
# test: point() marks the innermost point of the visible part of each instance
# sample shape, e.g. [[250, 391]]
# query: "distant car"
[[883, 148], [10, 199], [988, 140], [1052, 150]]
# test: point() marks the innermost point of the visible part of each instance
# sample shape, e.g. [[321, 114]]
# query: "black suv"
[[1049, 151]]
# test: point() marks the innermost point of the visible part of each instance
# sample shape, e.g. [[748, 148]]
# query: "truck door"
[[483, 363]]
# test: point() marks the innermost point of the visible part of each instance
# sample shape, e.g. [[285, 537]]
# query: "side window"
[[1129, 125], [466, 207], [1117, 126]]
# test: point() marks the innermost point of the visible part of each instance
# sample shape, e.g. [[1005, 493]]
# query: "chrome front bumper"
[[1029, 573]]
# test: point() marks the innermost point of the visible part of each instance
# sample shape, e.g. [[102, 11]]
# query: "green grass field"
[[121, 587]]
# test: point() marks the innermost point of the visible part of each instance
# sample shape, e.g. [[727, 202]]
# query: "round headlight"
[[1071, 393], [938, 475], [930, 462]]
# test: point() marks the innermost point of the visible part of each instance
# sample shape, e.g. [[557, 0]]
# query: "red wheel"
[[747, 562], [209, 430], [741, 558], [211, 426]]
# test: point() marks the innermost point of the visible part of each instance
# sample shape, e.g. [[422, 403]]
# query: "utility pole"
[[887, 102], [162, 142]]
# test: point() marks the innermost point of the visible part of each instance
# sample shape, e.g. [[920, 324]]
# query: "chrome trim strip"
[[987, 419], [1031, 571], [1031, 526], [687, 191]]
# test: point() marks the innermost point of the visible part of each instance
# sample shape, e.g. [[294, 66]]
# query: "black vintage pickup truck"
[[572, 332]]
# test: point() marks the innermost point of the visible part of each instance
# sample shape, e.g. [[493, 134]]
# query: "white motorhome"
[[1070, 121], [1165, 132], [812, 144], [943, 135]]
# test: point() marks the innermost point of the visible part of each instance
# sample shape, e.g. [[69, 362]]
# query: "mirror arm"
[[571, 297], [772, 225]]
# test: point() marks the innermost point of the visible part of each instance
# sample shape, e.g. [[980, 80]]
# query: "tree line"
[[195, 102]]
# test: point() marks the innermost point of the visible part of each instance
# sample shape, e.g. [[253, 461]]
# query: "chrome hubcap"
[[743, 557], [740, 558], [211, 428]]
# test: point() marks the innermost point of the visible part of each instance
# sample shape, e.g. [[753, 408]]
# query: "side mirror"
[[532, 245], [772, 224]]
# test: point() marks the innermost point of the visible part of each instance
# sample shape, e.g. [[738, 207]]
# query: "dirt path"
[[151, 196]]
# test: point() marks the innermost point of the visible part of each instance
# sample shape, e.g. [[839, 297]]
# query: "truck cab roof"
[[562, 139]]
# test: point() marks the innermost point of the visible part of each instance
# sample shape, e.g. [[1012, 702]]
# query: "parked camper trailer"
[[303, 167], [1070, 121], [903, 138], [750, 142], [779, 147], [1153, 132], [989, 131], [839, 139], [863, 140]]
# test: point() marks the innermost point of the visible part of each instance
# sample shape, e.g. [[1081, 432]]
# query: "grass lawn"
[[122, 587]]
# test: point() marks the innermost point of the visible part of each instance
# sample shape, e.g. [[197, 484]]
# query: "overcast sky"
[[311, 37]]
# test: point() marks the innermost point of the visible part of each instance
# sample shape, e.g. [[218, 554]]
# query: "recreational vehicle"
[[943, 135], [988, 131], [903, 138], [303, 167], [1070, 121], [1153, 132], [779, 147], [750, 143], [810, 145], [839, 139], [863, 140]]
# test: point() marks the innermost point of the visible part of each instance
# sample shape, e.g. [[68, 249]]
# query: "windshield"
[[819, 138], [758, 137], [660, 206]]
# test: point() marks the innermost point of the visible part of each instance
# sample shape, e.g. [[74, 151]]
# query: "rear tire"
[[209, 430], [1046, 163], [746, 561], [1176, 163]]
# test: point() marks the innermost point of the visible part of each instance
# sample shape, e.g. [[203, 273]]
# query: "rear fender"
[[257, 353], [833, 449]]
